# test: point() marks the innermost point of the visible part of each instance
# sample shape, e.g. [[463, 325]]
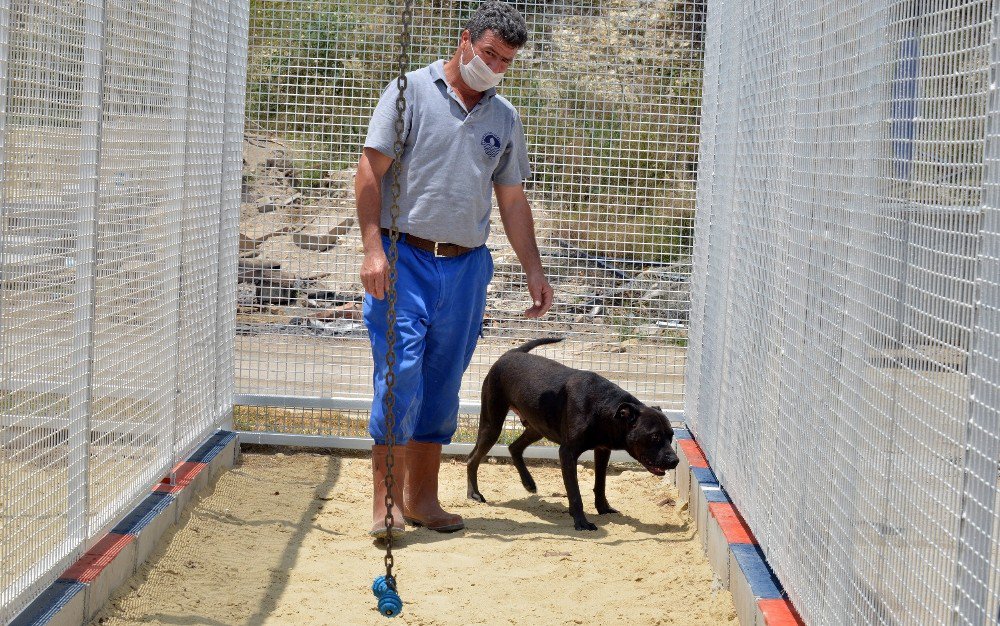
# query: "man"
[[462, 143]]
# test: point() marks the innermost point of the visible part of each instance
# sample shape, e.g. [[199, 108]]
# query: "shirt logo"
[[491, 144]]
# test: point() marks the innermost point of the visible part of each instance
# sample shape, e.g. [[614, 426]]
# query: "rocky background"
[[609, 95], [300, 256]]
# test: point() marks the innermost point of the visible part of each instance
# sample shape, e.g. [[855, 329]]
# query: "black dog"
[[580, 411]]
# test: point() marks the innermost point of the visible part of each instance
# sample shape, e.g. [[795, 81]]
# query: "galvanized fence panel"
[[236, 72], [114, 190], [609, 93], [844, 323]]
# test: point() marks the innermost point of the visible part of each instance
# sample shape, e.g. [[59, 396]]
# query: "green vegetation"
[[330, 422], [316, 68], [300, 421]]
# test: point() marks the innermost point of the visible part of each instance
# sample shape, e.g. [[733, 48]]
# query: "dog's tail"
[[531, 345]]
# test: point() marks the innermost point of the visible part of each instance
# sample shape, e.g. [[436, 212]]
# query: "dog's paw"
[[530, 486], [606, 510], [584, 525], [478, 497]]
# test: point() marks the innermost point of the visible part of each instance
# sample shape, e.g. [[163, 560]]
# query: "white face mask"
[[477, 75]]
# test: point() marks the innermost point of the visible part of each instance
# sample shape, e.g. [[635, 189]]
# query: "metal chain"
[[403, 61]]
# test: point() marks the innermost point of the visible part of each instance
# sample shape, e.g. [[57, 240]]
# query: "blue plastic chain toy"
[[389, 603]]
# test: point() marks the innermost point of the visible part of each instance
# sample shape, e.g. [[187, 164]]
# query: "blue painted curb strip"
[[59, 596], [714, 493], [705, 476], [763, 582], [49, 603], [682, 433], [211, 448], [143, 514]]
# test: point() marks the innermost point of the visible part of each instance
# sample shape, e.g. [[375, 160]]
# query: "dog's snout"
[[672, 462]]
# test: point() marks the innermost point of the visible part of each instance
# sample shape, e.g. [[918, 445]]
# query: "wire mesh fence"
[[608, 92], [843, 374], [120, 134]]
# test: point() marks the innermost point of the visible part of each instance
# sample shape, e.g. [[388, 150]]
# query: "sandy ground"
[[282, 540]]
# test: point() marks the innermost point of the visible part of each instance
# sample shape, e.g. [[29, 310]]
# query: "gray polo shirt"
[[451, 157]]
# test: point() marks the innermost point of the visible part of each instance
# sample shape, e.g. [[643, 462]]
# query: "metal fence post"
[[5, 612], [4, 80], [229, 204], [978, 531], [176, 200], [81, 394]]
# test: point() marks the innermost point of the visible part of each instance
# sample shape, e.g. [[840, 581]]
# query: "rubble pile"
[[300, 256]]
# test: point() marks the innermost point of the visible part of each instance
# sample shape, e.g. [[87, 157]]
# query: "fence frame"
[[79, 519], [979, 532]]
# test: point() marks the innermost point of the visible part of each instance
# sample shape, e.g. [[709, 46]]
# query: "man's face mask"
[[477, 75]]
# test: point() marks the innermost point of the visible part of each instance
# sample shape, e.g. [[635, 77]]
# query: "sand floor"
[[282, 540]]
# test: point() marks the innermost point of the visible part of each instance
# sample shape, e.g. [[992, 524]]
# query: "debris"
[[670, 324], [575, 252], [279, 162], [325, 241], [279, 291], [327, 327], [254, 270], [326, 299], [246, 294], [326, 320], [248, 243], [273, 287]]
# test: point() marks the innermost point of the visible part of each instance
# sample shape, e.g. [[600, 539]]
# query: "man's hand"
[[520, 228], [541, 295], [375, 273]]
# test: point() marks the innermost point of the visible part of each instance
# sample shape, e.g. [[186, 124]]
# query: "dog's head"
[[648, 437]]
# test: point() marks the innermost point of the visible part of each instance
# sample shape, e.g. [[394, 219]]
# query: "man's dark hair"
[[502, 19]]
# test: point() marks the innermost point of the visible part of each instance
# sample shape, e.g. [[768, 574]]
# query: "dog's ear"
[[627, 412]]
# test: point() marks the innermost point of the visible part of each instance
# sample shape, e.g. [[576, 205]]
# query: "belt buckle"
[[436, 244]]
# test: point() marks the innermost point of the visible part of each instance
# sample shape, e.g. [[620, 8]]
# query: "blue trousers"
[[440, 304]]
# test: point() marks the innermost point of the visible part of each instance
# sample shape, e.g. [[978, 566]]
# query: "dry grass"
[[342, 423]]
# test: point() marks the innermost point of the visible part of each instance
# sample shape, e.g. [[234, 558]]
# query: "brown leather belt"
[[435, 247]]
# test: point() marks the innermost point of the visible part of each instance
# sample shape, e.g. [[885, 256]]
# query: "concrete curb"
[[85, 587], [732, 549]]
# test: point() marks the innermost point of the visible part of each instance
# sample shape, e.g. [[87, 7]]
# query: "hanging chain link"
[[403, 62]]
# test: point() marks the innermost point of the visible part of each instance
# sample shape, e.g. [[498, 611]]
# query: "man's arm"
[[368, 197], [520, 228]]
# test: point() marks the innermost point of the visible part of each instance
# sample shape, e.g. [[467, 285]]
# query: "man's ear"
[[627, 412]]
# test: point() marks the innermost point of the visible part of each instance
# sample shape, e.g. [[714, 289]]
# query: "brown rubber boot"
[[421, 505], [379, 454]]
